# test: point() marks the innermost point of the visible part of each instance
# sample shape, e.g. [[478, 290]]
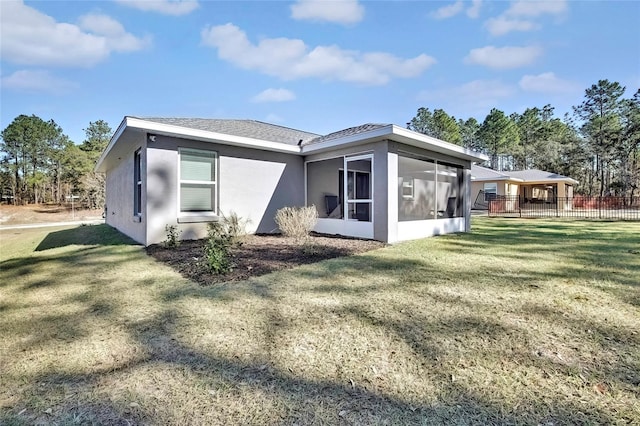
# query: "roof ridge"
[[283, 127]]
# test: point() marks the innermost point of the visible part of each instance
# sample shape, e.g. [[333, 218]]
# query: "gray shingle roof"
[[533, 175], [351, 131], [479, 172], [245, 128]]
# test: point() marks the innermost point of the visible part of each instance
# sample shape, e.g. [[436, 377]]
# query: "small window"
[[490, 191], [137, 179], [198, 181], [407, 188]]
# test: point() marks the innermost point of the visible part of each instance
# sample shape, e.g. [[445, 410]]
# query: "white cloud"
[[165, 7], [448, 11], [338, 11], [116, 37], [474, 98], [454, 9], [36, 81], [536, 8], [274, 95], [503, 57], [518, 17], [30, 37], [291, 59], [503, 25], [547, 82], [474, 11]]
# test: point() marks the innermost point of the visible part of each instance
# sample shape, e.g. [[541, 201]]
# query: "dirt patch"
[[259, 255], [44, 213]]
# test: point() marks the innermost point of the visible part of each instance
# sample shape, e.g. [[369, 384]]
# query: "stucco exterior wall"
[[120, 193], [476, 187], [251, 183], [503, 188]]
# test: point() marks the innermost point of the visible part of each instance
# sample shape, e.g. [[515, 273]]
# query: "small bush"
[[217, 249], [234, 226], [222, 236], [297, 222], [173, 236]]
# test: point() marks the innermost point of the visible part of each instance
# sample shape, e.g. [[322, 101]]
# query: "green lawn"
[[518, 322]]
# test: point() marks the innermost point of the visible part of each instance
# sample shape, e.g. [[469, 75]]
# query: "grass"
[[519, 322]]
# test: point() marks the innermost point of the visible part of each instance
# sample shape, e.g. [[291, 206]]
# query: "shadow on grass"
[[20, 268], [342, 401], [102, 235], [347, 401]]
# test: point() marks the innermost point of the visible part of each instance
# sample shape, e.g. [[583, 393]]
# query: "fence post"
[[599, 201], [519, 207]]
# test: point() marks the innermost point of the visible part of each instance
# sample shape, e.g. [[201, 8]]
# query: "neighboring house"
[[528, 186], [377, 181]]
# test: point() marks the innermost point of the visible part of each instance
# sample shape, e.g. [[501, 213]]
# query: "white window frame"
[[407, 183], [213, 184]]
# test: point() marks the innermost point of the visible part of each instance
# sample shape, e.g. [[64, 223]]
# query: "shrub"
[[234, 226], [173, 236], [296, 222], [217, 249], [222, 236]]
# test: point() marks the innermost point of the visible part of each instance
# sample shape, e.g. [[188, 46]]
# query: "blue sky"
[[319, 66]]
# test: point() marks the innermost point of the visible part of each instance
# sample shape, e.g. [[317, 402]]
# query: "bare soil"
[[258, 255], [44, 213]]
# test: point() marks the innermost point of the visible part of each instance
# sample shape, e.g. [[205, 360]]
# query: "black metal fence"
[[611, 208]]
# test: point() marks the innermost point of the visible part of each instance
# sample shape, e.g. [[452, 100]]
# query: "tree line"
[[597, 143], [40, 164]]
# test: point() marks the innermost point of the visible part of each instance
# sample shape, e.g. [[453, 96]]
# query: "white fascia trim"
[[112, 142], [504, 178], [444, 147], [399, 134], [207, 136], [550, 181]]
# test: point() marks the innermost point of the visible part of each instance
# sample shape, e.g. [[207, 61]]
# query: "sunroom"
[[389, 190]]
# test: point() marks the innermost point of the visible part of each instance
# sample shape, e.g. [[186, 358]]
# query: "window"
[[407, 188], [198, 181], [490, 191], [137, 182]]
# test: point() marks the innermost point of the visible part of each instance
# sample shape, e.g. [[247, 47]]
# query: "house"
[[525, 186], [377, 181]]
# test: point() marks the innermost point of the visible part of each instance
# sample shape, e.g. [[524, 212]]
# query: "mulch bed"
[[258, 255]]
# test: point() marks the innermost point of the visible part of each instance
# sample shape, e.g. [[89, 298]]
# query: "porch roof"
[[531, 176], [540, 176]]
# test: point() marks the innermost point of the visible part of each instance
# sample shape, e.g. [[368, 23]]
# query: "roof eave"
[[208, 136], [492, 179], [410, 137], [100, 163], [401, 135], [133, 123], [551, 180]]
